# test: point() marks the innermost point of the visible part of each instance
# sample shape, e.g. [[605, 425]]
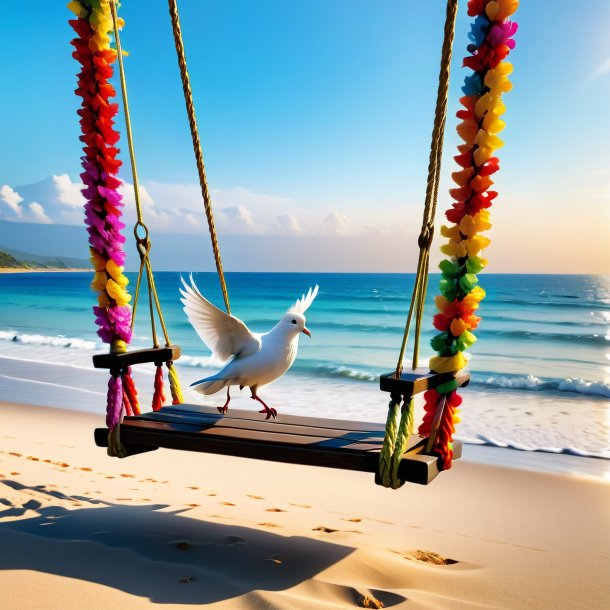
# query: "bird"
[[257, 359]]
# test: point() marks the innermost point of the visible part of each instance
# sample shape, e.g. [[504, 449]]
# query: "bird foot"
[[270, 411], [225, 407]]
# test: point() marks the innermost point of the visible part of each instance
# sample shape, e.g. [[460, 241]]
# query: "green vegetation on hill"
[[22, 260]]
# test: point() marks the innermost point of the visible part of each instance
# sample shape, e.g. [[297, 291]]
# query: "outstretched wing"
[[225, 335], [302, 305]]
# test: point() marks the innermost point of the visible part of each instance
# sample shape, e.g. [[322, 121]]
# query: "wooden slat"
[[298, 440], [296, 420], [275, 427], [415, 382], [121, 361]]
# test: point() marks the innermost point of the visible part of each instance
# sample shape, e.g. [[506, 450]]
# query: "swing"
[[390, 451]]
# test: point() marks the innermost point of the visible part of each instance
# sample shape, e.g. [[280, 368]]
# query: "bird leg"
[[225, 407], [270, 411]]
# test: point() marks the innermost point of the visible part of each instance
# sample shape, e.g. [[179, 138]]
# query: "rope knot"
[[424, 241]]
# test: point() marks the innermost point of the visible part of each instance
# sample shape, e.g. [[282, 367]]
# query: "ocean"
[[540, 368]]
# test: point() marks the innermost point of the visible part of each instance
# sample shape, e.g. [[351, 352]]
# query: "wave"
[[482, 439], [344, 372], [53, 341], [532, 383], [200, 362]]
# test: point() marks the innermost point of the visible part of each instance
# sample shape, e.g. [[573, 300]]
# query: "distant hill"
[[16, 259]]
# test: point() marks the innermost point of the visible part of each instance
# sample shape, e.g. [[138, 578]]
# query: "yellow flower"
[[488, 140], [492, 123], [452, 249], [452, 233], [117, 293], [482, 154], [506, 8], [475, 244], [448, 364], [99, 281], [116, 273], [77, 8]]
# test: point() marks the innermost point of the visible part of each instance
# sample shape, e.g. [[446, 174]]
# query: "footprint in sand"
[[212, 494], [428, 557], [192, 487], [14, 474], [228, 504], [255, 497], [269, 524], [353, 520], [275, 510], [323, 528], [128, 476], [300, 505]]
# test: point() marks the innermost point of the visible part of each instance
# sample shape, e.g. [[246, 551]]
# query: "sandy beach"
[[81, 530]]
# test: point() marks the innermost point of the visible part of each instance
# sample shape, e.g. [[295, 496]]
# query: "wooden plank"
[[296, 420], [236, 435], [197, 431], [415, 469], [415, 382], [278, 427], [158, 355]]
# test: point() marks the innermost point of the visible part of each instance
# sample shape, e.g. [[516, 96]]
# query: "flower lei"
[[103, 201], [491, 35]]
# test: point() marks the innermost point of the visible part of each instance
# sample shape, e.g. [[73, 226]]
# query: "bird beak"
[[306, 331]]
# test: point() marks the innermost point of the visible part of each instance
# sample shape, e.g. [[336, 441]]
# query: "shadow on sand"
[[154, 553]]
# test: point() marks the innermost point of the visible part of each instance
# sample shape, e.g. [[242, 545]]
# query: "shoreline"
[[44, 270], [232, 533]]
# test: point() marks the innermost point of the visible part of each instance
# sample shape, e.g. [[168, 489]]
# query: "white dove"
[[257, 359]]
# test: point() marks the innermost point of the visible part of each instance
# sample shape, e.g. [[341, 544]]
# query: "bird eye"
[[294, 321]]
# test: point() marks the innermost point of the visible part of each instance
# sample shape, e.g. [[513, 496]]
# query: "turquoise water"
[[541, 335]]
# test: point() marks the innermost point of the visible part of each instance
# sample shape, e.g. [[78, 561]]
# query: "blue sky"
[[315, 119]]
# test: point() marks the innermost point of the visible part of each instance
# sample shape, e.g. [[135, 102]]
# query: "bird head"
[[293, 323]]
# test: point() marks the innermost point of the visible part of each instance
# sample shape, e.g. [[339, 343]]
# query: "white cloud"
[[237, 219], [12, 199], [38, 214], [600, 71], [240, 195], [289, 225], [337, 224], [129, 198], [68, 192]]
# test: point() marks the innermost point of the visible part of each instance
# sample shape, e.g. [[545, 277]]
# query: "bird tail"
[[209, 385]]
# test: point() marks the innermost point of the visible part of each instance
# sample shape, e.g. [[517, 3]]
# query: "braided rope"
[[190, 109], [405, 429], [174, 385], [389, 442], [434, 166]]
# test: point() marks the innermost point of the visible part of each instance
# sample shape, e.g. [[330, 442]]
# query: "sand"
[[81, 530]]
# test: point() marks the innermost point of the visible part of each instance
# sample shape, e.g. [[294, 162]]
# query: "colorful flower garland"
[[491, 35], [103, 201]]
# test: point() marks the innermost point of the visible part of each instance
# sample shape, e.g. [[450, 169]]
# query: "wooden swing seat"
[[293, 439]]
